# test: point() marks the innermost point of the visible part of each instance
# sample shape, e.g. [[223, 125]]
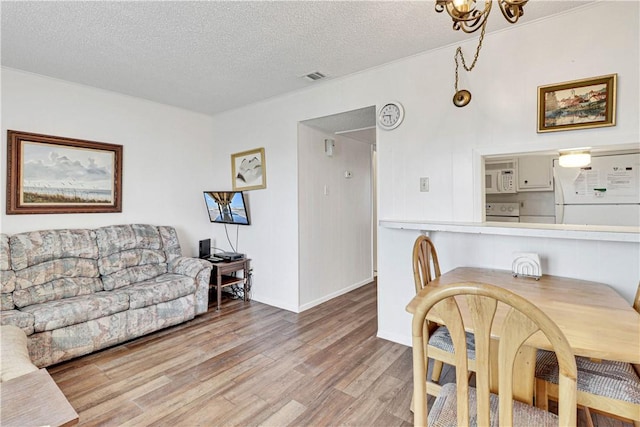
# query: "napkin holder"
[[526, 264]]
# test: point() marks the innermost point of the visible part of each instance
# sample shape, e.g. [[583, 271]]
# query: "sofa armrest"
[[200, 271], [191, 267]]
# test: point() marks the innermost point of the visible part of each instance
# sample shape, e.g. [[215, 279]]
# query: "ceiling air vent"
[[316, 75]]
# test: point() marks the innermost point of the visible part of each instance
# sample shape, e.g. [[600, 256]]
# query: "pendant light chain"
[[475, 58]]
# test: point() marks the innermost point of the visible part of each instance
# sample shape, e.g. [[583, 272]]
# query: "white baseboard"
[[390, 336], [274, 303], [332, 295]]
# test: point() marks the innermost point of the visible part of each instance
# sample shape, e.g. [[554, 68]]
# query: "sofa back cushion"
[[129, 254], [170, 242], [54, 264], [7, 276]]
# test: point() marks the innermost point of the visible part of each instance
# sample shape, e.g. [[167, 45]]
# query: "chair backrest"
[[522, 319], [425, 262]]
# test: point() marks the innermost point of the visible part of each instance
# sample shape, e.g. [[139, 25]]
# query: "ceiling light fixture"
[[575, 158], [468, 18]]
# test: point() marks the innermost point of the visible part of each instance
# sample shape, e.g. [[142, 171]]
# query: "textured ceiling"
[[212, 56]]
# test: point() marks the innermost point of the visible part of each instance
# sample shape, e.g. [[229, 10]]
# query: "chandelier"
[[468, 18]]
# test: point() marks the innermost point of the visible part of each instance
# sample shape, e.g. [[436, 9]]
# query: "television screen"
[[227, 207]]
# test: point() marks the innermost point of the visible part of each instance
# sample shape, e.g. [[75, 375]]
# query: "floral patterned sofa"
[[80, 290]]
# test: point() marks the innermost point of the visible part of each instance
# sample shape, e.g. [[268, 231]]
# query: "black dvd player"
[[230, 256]]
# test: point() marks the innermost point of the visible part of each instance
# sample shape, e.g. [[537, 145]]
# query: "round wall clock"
[[390, 115]]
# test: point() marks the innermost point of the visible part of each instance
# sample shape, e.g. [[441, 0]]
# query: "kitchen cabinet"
[[535, 173]]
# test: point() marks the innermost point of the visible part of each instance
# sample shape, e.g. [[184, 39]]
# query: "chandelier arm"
[[512, 10], [469, 21]]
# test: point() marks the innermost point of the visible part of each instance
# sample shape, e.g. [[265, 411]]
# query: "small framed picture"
[[248, 170], [55, 175], [578, 104]]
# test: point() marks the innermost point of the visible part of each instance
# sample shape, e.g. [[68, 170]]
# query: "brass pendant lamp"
[[468, 18]]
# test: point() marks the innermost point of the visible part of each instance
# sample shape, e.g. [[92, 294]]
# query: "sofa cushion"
[[130, 258], [132, 275], [144, 320], [56, 269], [18, 318], [70, 311], [56, 289], [118, 238], [170, 242], [7, 276], [47, 348], [129, 254], [159, 289], [36, 247], [6, 301], [7, 281], [5, 262]]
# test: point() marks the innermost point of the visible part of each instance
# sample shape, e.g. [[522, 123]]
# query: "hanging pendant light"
[[468, 18]]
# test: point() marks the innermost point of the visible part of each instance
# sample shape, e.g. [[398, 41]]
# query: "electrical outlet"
[[424, 184]]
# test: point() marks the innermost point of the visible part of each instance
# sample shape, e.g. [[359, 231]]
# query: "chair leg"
[[437, 370], [587, 412]]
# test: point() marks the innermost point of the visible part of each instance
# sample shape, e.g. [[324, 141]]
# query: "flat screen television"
[[227, 207]]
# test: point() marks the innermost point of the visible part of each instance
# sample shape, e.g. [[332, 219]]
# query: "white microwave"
[[500, 177]]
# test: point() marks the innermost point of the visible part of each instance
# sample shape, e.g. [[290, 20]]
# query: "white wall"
[[335, 218], [171, 155], [167, 160], [616, 264], [441, 142]]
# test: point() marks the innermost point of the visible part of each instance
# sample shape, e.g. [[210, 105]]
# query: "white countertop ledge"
[[553, 231]]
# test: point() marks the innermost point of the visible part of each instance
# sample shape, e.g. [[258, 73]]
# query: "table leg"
[[218, 290], [246, 280]]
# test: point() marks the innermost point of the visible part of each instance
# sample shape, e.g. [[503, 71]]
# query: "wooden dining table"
[[597, 321]]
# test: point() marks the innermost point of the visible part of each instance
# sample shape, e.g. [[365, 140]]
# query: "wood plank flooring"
[[251, 365]]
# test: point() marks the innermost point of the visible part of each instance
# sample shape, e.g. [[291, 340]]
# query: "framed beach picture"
[[248, 170], [579, 104], [52, 175]]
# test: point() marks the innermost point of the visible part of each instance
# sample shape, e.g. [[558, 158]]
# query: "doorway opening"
[[336, 204]]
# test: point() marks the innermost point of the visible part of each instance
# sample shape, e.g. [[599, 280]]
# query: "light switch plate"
[[424, 184]]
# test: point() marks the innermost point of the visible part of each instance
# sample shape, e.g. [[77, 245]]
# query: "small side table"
[[34, 399], [220, 276]]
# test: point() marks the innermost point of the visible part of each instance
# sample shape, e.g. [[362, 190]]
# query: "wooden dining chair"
[[425, 262], [604, 386], [459, 403], [425, 269]]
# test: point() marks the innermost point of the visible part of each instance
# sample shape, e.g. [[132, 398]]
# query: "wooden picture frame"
[[56, 175], [249, 170], [578, 104]]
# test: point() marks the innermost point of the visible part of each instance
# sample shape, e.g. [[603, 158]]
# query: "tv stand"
[[221, 277]]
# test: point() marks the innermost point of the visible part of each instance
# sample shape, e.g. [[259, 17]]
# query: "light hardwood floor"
[[252, 364]]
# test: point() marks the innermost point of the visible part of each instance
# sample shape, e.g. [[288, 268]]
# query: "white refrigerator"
[[607, 192]]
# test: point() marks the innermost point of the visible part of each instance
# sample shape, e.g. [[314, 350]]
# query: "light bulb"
[[575, 159], [463, 6]]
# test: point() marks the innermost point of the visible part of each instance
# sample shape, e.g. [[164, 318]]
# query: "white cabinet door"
[[535, 173]]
